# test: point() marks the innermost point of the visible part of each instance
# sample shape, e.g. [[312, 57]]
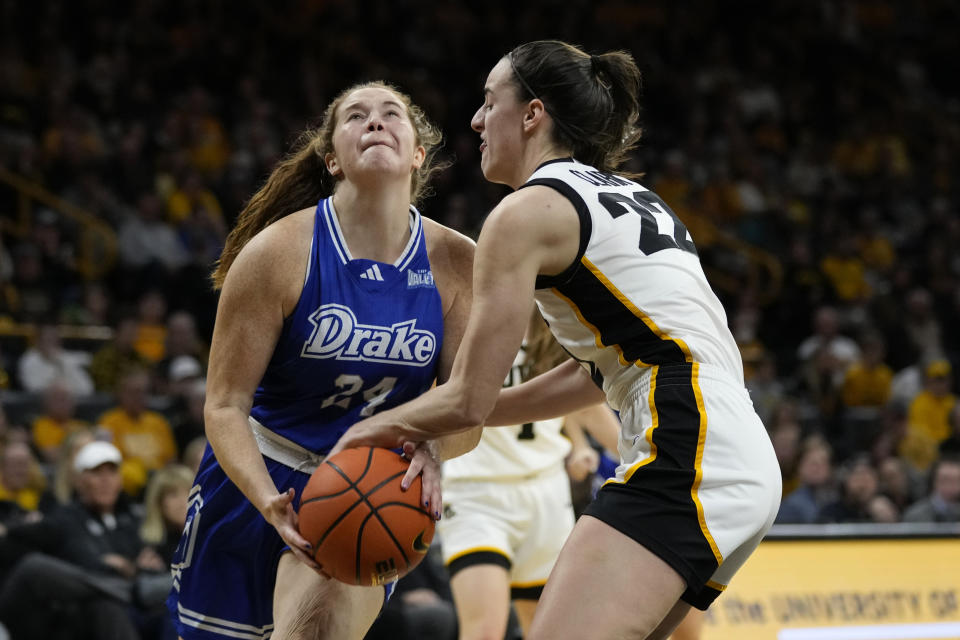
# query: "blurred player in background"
[[330, 309], [507, 503]]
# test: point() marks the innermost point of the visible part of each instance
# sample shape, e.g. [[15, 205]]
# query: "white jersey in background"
[[620, 315], [510, 453]]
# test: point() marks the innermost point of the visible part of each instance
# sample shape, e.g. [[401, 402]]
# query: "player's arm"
[[453, 270], [582, 459], [250, 315], [565, 389], [600, 422], [534, 230]]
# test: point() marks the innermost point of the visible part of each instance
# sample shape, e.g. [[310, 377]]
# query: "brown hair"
[[543, 352], [593, 100], [301, 179]]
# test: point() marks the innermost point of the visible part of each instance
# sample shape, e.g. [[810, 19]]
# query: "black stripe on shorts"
[[526, 593], [478, 557], [655, 506]]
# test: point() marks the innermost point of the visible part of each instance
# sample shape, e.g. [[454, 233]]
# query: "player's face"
[[374, 134], [499, 121]]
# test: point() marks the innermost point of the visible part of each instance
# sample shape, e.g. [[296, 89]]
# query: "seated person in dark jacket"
[[77, 572]]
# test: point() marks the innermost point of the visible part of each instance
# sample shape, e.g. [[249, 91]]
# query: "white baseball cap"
[[183, 367], [94, 454]]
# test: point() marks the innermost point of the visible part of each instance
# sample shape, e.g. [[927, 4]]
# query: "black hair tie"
[[599, 73]]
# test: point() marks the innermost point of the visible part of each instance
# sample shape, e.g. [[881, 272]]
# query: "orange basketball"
[[364, 529]]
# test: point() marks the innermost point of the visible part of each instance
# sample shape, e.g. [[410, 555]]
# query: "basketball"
[[364, 529]]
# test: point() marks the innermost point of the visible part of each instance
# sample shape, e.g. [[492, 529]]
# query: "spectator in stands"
[[118, 357], [804, 287], [845, 271], [922, 326], [150, 249], [765, 387], [143, 435], [56, 421], [165, 509], [91, 309], [35, 296], [47, 361], [187, 406], [881, 509], [816, 484], [21, 481], [943, 502], [193, 453], [744, 325], [859, 486], [64, 471], [906, 384], [928, 416], [897, 482], [182, 339], [785, 437], [10, 432], [826, 338], [951, 445], [818, 382], [191, 196], [56, 253], [84, 555], [874, 246], [152, 330], [865, 392], [5, 377], [866, 383]]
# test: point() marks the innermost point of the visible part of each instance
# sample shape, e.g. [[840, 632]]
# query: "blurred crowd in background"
[[810, 147]]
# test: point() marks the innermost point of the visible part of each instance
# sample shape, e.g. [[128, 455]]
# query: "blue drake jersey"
[[365, 336]]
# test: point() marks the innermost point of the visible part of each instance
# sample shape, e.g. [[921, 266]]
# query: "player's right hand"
[[280, 513]]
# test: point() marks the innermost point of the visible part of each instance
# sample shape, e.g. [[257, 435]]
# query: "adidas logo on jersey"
[[419, 278], [337, 334], [372, 273]]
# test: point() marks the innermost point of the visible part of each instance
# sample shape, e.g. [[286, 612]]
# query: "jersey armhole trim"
[[311, 260], [586, 227]]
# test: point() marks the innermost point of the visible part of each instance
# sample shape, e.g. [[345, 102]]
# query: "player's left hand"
[[582, 462], [425, 461]]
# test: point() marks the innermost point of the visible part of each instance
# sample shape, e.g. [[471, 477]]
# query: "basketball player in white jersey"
[[616, 275], [508, 508]]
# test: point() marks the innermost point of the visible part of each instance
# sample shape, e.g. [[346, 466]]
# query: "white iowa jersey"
[[636, 296], [507, 453]]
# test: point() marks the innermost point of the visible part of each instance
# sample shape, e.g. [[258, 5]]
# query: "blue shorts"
[[225, 568]]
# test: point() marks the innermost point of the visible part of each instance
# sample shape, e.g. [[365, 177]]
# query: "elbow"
[[473, 417], [472, 406]]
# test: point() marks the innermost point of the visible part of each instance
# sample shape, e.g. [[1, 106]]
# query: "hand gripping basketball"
[[364, 529]]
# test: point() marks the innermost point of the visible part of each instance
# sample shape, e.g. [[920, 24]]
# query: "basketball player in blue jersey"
[[338, 299], [617, 277]]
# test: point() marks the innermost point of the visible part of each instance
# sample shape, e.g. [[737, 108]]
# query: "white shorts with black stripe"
[[699, 483], [519, 524]]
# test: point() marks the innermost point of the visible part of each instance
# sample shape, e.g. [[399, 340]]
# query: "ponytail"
[[593, 100], [298, 181]]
